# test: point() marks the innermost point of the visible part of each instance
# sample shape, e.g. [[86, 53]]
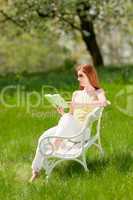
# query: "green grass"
[[110, 178]]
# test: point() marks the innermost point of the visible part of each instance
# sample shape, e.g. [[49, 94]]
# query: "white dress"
[[68, 125]]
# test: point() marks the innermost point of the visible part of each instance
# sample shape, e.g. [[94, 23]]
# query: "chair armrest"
[[47, 142], [47, 147]]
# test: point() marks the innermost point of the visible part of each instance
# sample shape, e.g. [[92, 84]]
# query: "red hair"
[[90, 73]]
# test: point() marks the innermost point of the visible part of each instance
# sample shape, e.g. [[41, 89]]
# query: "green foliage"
[[44, 18], [31, 14], [29, 53]]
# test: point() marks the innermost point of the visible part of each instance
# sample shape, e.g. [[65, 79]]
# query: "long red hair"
[[91, 73]]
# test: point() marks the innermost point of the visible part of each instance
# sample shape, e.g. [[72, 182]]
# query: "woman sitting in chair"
[[84, 100]]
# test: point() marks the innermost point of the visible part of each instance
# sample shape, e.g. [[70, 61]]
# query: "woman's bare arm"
[[71, 108], [72, 103], [102, 101]]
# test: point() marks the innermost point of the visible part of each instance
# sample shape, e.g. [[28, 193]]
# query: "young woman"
[[84, 100]]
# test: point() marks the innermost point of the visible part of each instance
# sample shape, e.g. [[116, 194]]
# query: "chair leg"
[[100, 146], [47, 167], [100, 149], [84, 162]]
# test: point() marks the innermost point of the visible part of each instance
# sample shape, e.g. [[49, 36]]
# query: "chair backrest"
[[93, 116], [82, 138]]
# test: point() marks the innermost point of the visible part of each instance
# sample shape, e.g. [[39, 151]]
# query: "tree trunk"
[[89, 37]]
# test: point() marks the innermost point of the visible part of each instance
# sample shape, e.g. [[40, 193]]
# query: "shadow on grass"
[[120, 161], [73, 168], [123, 161]]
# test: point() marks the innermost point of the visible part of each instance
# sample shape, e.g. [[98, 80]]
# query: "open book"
[[56, 100]]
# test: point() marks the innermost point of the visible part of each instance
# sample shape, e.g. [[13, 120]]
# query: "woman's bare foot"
[[34, 176]]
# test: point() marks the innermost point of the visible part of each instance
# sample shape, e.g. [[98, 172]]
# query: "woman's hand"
[[71, 107], [60, 110], [103, 103]]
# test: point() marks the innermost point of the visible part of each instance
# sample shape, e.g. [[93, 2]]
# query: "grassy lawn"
[[110, 178]]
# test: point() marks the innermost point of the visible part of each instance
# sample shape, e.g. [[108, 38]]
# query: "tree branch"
[[8, 18], [71, 24]]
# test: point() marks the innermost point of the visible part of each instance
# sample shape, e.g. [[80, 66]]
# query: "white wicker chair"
[[75, 147]]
